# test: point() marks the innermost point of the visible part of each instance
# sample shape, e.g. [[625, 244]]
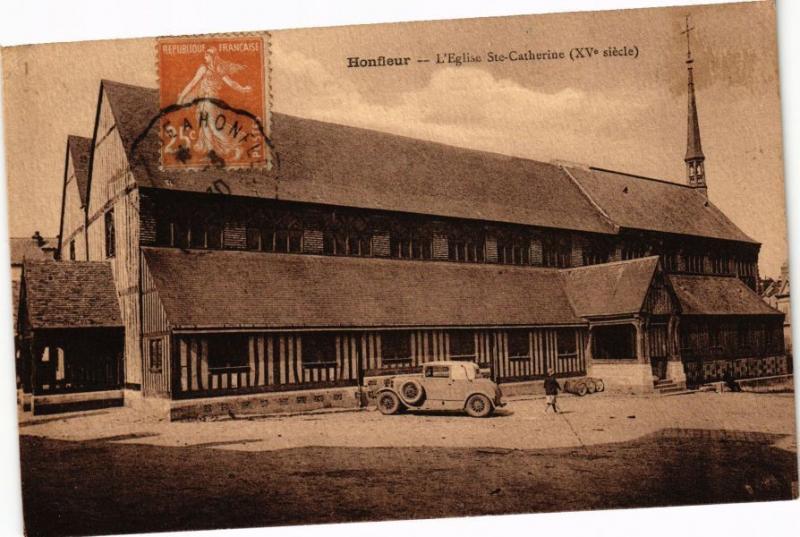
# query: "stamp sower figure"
[[551, 389], [206, 84]]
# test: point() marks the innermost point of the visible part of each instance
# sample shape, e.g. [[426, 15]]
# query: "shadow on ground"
[[102, 486]]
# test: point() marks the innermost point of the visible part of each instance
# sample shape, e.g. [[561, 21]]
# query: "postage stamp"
[[213, 98]]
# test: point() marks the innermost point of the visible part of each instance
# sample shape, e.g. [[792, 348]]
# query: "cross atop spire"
[[688, 42], [695, 171]]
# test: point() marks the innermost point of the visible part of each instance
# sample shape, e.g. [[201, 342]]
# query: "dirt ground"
[[110, 472]]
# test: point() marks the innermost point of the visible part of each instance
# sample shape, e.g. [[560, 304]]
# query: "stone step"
[[681, 391], [671, 389], [663, 385], [665, 382]]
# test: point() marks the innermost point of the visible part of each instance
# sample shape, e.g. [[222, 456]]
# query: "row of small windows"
[[556, 251], [231, 351], [550, 250]]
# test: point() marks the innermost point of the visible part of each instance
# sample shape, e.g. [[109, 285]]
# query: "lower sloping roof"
[[617, 288], [717, 295], [70, 294], [217, 289]]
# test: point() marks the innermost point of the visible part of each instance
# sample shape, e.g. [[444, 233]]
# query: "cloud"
[[466, 106]]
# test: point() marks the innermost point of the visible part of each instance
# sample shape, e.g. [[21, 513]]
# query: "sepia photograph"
[[410, 270]]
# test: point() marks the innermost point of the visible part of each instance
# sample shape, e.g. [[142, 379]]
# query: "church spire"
[[695, 170]]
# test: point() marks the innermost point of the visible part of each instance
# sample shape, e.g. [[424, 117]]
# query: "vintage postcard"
[[434, 269]]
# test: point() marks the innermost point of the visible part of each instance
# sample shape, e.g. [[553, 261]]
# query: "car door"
[[437, 383], [460, 383]]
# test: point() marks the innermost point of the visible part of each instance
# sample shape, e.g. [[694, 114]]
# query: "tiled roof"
[[650, 204], [80, 148], [611, 288], [717, 295], [339, 165], [250, 289], [70, 294], [26, 248]]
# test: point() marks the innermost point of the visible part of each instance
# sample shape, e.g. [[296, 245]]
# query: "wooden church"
[[252, 290]]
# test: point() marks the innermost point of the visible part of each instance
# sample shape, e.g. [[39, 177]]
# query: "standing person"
[[551, 389]]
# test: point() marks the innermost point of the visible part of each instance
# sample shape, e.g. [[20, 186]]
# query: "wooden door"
[[659, 350]]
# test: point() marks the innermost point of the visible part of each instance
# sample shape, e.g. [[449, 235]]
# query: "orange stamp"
[[212, 93]]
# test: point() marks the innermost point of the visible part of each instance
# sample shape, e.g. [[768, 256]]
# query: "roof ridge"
[[644, 177], [126, 84]]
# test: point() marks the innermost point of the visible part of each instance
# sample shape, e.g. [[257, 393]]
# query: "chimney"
[[38, 239]]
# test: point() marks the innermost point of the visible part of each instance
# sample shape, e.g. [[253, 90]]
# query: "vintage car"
[[441, 386]]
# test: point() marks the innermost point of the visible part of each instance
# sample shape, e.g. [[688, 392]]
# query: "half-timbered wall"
[[73, 225], [111, 189], [277, 361], [730, 337], [713, 348], [156, 341]]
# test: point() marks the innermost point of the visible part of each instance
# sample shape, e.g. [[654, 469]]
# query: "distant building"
[[35, 248], [776, 294]]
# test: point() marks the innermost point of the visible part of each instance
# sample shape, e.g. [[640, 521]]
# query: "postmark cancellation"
[[213, 95]]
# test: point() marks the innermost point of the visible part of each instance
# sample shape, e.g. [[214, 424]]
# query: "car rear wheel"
[[388, 403], [479, 406], [411, 392]]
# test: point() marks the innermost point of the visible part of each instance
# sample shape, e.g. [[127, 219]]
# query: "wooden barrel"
[[576, 386]]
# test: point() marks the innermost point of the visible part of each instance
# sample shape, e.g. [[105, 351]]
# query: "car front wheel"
[[479, 406], [388, 403]]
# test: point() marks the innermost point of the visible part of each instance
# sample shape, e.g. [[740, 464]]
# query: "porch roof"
[[70, 294], [717, 295], [610, 289], [219, 289]]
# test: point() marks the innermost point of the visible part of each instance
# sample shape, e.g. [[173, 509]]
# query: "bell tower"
[[695, 168]]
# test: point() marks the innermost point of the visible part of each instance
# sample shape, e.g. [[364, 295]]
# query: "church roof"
[[70, 294], [79, 149], [335, 164], [618, 288], [339, 165], [635, 202], [717, 295], [217, 289]]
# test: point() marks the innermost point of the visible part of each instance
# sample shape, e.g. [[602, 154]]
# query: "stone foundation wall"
[[265, 403], [631, 378], [73, 402]]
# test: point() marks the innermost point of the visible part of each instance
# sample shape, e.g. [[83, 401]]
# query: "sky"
[[620, 113]]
